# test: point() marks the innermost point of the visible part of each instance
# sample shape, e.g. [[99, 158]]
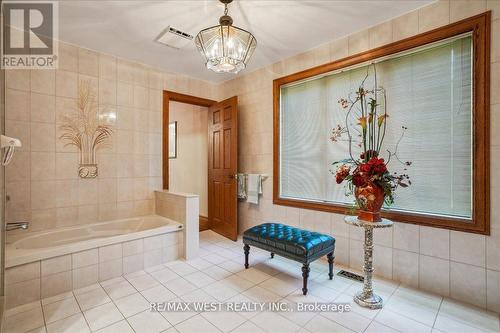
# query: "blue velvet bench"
[[292, 243]]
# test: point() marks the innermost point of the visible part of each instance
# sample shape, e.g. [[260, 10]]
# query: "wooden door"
[[222, 167]]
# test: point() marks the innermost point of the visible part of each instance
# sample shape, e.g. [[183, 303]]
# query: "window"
[[437, 87]]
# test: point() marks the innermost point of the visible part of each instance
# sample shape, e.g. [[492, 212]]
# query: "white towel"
[[242, 190], [254, 187]]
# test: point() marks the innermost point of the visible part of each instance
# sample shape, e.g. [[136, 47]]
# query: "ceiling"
[[282, 27]]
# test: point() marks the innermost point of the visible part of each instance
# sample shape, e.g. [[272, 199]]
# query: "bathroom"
[[183, 161]]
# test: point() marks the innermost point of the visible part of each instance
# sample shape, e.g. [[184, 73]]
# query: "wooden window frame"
[[480, 26], [171, 96]]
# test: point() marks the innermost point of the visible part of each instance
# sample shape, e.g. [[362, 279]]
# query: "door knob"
[[233, 176]]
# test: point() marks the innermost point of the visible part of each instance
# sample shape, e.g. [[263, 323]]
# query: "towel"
[[242, 188], [254, 188]]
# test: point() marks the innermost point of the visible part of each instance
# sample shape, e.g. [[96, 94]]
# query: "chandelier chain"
[[225, 9]]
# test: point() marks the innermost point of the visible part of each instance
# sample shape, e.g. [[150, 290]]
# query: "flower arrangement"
[[85, 131], [367, 176]]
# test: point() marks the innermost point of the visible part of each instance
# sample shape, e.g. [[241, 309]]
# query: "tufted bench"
[[292, 243]]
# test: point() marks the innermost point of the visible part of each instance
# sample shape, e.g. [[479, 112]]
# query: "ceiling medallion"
[[226, 48]]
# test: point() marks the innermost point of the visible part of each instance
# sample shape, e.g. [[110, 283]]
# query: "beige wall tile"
[[381, 34], [88, 62], [43, 137], [125, 94], [493, 250], [110, 269], [133, 263], [17, 105], [18, 79], [133, 247], [43, 81], [66, 193], [107, 190], [107, 67], [22, 293], [461, 9], [495, 43], [493, 290], [107, 91], [359, 42], [406, 237], [434, 275], [66, 84], [405, 267], [110, 252], [68, 57], [88, 191], [494, 6], [19, 168], [468, 248], [67, 166], [85, 276], [43, 165], [19, 194], [405, 26], [22, 273], [434, 15], [435, 242], [125, 190], [55, 284], [43, 219], [56, 265], [463, 288], [88, 214], [43, 195], [85, 258], [43, 108]]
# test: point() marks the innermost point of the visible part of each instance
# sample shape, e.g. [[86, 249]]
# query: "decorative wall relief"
[[85, 130]]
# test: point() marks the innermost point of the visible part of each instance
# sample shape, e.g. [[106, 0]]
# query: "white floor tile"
[[351, 320], [280, 287], [449, 325], [237, 283], [320, 324], [119, 327], [259, 294], [198, 296], [74, 324], [400, 323], [132, 304], [102, 316], [143, 282], [59, 310], [248, 327], [181, 268], [420, 312], [176, 317], [92, 299], [470, 315], [214, 258], [118, 289], [164, 275], [158, 294], [232, 266], [217, 273], [220, 291], [180, 286], [148, 322], [199, 279], [199, 263], [224, 321], [56, 298], [196, 324], [375, 327], [274, 323], [254, 275], [23, 308]]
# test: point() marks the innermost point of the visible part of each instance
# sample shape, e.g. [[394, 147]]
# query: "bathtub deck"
[[122, 304]]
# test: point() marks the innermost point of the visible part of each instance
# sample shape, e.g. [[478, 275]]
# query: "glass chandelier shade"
[[225, 48]]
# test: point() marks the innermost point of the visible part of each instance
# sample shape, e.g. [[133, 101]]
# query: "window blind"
[[429, 91]]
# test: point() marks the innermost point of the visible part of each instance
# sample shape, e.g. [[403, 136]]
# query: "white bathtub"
[[26, 248]]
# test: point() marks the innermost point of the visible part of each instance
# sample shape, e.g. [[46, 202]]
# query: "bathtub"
[[25, 248]]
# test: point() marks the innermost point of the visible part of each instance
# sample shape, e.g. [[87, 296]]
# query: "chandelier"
[[226, 48]]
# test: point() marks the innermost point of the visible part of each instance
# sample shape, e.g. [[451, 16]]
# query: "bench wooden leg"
[[305, 275], [246, 248], [330, 264], [272, 255]]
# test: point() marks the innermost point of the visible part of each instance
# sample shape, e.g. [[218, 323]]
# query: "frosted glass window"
[[429, 90]]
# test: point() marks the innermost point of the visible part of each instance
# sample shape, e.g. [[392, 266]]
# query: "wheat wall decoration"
[[84, 130]]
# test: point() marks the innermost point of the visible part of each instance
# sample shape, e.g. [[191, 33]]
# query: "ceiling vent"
[[173, 37]]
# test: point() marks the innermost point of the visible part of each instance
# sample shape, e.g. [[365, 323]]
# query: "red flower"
[[342, 173], [358, 179]]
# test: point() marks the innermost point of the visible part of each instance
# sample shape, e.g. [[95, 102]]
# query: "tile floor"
[[121, 305]]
